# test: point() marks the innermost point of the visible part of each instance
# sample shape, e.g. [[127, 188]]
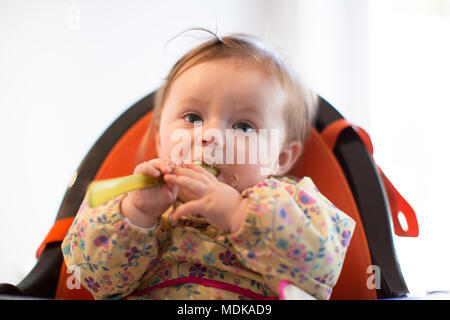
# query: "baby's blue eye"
[[192, 117], [243, 126]]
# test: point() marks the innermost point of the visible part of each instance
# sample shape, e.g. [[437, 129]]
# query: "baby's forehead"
[[234, 82]]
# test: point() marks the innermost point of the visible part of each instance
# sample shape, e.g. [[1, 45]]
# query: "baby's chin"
[[231, 180], [240, 180]]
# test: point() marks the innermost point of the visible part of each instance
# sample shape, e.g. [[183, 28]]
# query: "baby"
[[243, 233]]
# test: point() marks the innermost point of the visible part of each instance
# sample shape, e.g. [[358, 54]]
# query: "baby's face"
[[215, 106]]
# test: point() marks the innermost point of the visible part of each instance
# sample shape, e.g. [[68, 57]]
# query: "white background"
[[69, 68]]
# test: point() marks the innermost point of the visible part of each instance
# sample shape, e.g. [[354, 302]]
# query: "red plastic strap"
[[397, 203], [206, 283], [56, 233], [400, 206]]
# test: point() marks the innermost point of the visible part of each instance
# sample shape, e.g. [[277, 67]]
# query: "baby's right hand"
[[143, 207]]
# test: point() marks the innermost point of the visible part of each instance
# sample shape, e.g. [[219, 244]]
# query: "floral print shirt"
[[291, 232]]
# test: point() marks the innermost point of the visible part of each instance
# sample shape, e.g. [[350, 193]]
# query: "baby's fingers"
[[146, 168], [153, 167], [201, 170], [188, 208], [163, 165], [191, 174], [195, 187]]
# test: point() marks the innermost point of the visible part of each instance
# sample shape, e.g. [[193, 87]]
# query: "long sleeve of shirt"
[[293, 233], [110, 253]]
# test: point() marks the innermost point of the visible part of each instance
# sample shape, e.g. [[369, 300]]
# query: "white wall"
[[69, 68], [410, 85], [333, 54]]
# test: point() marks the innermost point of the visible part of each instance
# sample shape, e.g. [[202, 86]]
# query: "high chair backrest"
[[337, 174]]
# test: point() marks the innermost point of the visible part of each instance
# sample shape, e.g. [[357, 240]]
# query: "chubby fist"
[[221, 204], [143, 207]]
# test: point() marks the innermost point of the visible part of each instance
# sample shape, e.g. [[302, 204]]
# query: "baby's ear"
[[288, 156]]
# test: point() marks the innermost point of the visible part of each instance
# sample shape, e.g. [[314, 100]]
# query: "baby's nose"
[[207, 141], [211, 143], [213, 139]]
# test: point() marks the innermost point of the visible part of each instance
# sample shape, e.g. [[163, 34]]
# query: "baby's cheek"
[[245, 150], [177, 150], [252, 165]]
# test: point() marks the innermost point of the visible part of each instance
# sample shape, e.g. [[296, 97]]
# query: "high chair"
[[338, 158]]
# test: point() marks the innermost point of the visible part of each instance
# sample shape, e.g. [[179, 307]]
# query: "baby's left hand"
[[221, 205]]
